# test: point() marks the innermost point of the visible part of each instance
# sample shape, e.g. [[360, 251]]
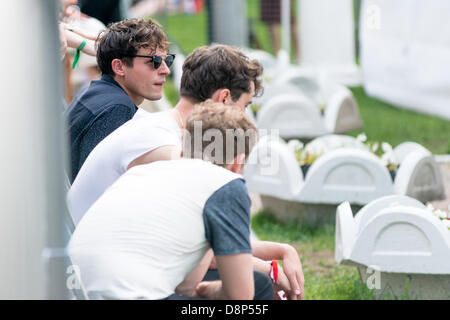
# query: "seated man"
[[151, 228], [220, 73], [132, 56]]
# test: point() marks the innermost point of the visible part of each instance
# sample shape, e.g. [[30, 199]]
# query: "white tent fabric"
[[405, 53]]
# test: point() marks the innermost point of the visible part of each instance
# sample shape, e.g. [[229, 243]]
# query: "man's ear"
[[238, 164], [118, 67], [222, 96]]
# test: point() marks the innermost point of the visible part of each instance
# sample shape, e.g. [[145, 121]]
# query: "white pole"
[[229, 22], [327, 40], [31, 185], [286, 25]]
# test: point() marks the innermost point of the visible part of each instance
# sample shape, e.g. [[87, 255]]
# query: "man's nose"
[[164, 69]]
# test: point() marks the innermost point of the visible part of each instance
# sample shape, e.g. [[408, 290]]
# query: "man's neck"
[[136, 100], [184, 107]]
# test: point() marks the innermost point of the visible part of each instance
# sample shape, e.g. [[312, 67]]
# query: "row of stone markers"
[[300, 104], [346, 171], [399, 247]]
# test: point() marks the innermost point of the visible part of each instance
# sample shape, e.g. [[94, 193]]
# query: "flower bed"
[[343, 169], [307, 155]]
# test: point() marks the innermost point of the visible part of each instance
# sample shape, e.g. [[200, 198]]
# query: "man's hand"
[[267, 250], [209, 289], [294, 272]]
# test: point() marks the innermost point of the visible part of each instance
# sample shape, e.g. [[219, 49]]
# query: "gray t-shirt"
[[226, 219]]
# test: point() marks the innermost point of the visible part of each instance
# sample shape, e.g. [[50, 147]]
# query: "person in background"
[[107, 11], [270, 12]]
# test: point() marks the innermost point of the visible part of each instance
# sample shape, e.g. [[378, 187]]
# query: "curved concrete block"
[[404, 239], [345, 235], [374, 207], [404, 149], [398, 245], [346, 174], [342, 112], [294, 115], [419, 176], [272, 169]]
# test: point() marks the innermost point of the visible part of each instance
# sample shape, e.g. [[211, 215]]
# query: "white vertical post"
[[286, 25], [229, 22], [32, 161], [327, 40]]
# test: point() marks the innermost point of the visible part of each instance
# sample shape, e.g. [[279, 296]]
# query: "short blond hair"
[[233, 132]]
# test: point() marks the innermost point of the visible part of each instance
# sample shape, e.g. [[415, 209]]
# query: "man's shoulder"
[[205, 173], [101, 96]]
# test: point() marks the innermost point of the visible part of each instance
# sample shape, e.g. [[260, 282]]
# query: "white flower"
[[319, 148], [361, 137], [386, 147], [440, 214], [388, 158], [295, 145]]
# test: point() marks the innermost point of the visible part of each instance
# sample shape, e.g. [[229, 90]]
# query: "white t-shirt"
[[111, 157], [150, 229]]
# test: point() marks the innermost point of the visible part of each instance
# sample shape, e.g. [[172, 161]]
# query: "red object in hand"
[[273, 274]]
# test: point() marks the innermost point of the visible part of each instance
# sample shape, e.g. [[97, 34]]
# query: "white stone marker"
[[327, 41], [396, 245]]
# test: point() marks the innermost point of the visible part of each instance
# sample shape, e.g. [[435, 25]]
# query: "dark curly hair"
[[123, 39], [210, 68]]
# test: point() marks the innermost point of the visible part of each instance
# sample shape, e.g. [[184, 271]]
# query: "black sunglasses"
[[157, 60]]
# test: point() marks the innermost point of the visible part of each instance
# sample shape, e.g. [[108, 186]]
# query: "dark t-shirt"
[[93, 115], [107, 11]]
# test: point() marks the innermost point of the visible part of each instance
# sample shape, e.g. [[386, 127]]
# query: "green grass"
[[188, 31], [324, 278], [384, 122]]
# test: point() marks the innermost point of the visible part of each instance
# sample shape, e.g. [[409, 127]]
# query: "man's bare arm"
[[236, 272], [187, 287]]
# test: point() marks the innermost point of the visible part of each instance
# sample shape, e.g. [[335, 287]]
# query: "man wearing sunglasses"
[[220, 73], [132, 56]]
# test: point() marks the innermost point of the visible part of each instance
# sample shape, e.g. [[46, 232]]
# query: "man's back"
[[111, 157], [93, 115], [151, 228]]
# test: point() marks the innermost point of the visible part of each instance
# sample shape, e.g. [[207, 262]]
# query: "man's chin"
[[154, 97]]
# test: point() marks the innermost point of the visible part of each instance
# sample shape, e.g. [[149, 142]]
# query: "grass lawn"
[[384, 122], [324, 278]]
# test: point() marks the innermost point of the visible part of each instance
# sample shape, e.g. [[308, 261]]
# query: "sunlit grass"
[[324, 278]]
